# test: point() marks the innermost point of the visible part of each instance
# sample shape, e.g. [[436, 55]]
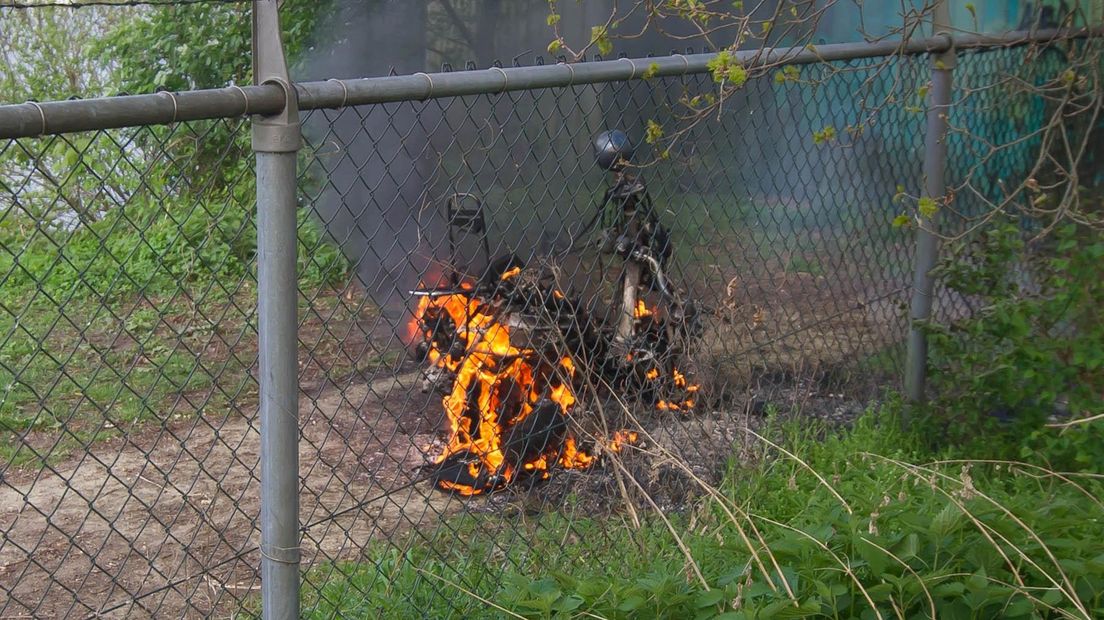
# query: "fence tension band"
[[279, 133]]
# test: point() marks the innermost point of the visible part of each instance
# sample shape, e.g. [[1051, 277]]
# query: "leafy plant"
[[1032, 352], [853, 523]]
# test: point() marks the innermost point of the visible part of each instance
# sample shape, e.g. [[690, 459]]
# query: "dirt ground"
[[163, 521]]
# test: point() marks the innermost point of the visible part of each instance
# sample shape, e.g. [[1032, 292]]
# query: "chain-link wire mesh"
[[785, 283], [1007, 100], [126, 371], [503, 346]]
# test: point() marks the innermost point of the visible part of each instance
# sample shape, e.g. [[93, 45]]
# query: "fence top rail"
[[32, 119]]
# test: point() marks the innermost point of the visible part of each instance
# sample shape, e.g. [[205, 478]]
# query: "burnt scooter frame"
[[631, 230], [635, 235]]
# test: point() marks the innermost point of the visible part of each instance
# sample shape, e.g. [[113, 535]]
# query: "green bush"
[[1032, 353], [157, 249]]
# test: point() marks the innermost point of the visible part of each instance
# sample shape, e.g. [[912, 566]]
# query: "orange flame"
[[680, 382], [620, 438], [680, 379], [497, 385], [666, 405]]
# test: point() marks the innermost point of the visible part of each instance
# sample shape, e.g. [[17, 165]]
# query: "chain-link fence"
[[503, 346]]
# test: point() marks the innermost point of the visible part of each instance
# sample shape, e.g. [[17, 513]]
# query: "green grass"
[[146, 314], [883, 524], [128, 363], [108, 367]]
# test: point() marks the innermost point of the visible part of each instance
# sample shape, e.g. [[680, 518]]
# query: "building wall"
[[845, 19]]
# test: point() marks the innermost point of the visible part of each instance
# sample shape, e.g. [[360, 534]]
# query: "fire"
[[679, 381], [507, 409], [508, 405], [665, 405], [620, 438]]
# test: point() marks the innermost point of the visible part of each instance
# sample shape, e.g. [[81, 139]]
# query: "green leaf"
[[599, 36], [978, 581], [945, 521], [736, 75], [827, 134], [879, 592], [949, 589], [874, 557], [568, 603], [1052, 597], [709, 598], [726, 69], [908, 547], [808, 608], [632, 603], [1020, 606], [927, 207]]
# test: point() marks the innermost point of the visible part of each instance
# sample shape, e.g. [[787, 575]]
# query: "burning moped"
[[512, 353]]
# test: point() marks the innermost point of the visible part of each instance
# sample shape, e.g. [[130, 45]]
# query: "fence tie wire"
[[570, 70], [685, 62], [631, 64], [176, 108], [283, 555], [429, 79], [245, 97], [505, 79], [41, 113], [344, 91]]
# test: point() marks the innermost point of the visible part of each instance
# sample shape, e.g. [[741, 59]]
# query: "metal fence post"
[[927, 241], [276, 139]]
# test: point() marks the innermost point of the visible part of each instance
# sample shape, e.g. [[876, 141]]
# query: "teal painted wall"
[[987, 116], [845, 20]]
